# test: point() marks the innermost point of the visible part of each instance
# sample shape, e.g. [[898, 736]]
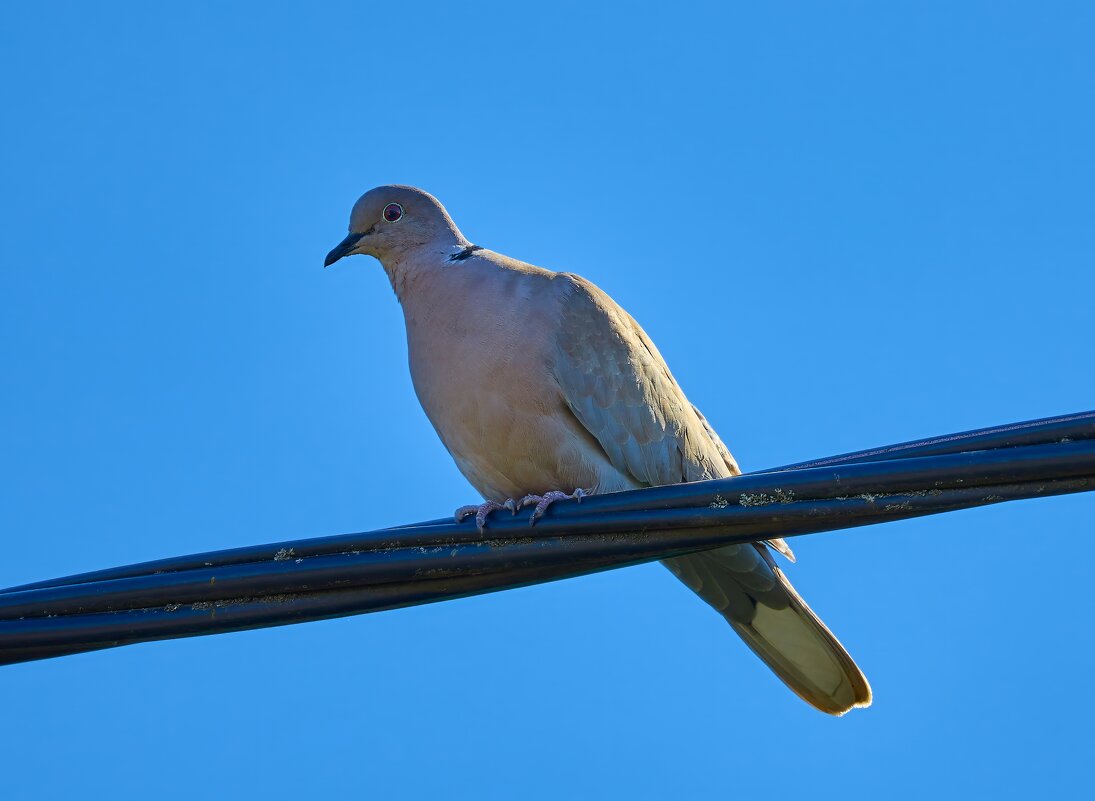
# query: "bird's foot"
[[482, 510], [542, 502]]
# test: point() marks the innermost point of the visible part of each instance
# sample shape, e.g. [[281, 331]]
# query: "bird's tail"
[[744, 585]]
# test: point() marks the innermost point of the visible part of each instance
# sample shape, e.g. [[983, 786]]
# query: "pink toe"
[[463, 512]]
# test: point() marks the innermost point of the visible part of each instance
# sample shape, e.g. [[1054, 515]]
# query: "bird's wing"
[[619, 388]]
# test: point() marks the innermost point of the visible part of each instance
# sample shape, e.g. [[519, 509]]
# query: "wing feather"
[[619, 388]]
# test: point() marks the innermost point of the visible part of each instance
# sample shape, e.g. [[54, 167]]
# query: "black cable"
[[295, 581]]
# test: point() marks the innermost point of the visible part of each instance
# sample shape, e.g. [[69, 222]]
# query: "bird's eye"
[[393, 212]]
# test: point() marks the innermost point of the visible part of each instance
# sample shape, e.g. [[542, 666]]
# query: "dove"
[[541, 387]]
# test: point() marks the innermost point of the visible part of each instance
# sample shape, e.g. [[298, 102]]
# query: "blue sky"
[[844, 224]]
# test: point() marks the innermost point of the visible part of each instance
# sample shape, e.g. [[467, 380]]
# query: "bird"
[[541, 387]]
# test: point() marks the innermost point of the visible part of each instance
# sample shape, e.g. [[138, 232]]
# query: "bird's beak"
[[344, 248]]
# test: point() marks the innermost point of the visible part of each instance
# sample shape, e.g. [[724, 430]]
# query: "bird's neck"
[[413, 271], [414, 275]]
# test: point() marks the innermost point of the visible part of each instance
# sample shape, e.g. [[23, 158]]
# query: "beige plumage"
[[537, 381]]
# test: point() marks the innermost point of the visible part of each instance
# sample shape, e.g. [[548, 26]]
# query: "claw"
[[481, 511], [546, 500], [463, 512], [542, 502]]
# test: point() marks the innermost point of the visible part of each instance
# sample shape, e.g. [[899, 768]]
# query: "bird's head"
[[390, 221]]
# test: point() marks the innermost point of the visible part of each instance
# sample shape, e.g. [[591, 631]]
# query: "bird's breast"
[[481, 363]]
